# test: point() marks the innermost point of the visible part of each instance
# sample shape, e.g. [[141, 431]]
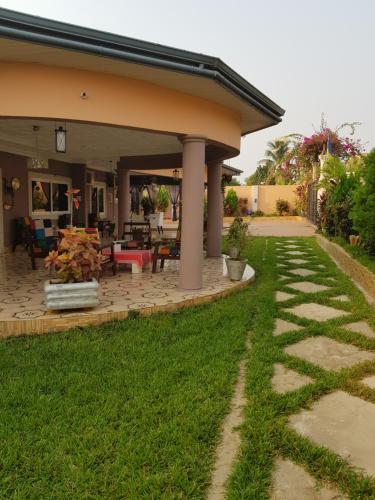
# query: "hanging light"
[[37, 162], [60, 136]]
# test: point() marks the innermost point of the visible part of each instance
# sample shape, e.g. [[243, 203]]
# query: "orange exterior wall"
[[267, 196], [33, 90]]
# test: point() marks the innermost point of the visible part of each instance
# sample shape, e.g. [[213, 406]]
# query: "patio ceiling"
[[86, 143]]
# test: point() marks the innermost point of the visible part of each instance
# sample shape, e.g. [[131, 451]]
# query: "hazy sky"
[[308, 56]]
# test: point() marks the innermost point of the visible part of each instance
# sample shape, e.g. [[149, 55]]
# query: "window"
[[47, 195], [98, 199]]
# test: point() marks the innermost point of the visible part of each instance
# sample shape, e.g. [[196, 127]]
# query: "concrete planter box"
[[362, 277], [235, 268], [71, 295]]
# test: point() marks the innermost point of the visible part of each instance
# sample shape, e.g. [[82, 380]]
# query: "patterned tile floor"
[[22, 296]]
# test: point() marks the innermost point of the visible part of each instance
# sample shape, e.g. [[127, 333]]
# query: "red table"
[[137, 258]]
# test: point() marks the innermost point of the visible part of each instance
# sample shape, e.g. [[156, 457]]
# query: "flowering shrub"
[[77, 259], [298, 163], [301, 198]]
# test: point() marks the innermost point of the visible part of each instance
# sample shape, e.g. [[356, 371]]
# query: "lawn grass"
[[127, 410], [358, 253], [133, 409], [265, 433]]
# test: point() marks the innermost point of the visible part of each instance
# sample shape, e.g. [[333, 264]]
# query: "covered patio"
[[22, 299], [90, 110]]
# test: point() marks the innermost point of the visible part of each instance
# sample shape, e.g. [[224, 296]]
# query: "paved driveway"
[[281, 226]]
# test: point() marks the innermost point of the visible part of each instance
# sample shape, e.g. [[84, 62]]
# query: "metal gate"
[[312, 202]]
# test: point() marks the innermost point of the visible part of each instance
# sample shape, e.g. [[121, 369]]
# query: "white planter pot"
[[71, 295], [235, 268]]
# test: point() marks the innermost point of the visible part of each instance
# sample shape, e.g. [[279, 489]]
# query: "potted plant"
[[237, 241], [76, 264]]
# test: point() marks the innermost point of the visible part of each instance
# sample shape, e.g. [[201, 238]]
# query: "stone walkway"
[[327, 339]]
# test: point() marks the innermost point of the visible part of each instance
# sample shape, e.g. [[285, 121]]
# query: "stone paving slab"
[[298, 261], [328, 353], [281, 296], [302, 272], [286, 380], [341, 298], [292, 246], [295, 252], [282, 326], [360, 327], [343, 423], [282, 277], [292, 482], [317, 312], [369, 381], [308, 287]]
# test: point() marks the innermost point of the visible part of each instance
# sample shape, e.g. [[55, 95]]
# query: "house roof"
[[238, 93]]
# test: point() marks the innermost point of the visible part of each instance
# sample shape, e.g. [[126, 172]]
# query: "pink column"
[[214, 209], [123, 192], [191, 261]]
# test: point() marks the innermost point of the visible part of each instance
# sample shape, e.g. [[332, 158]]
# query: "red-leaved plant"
[[76, 259]]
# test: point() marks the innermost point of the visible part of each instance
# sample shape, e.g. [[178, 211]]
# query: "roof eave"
[[19, 26]]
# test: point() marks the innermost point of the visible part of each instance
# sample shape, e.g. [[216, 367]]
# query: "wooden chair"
[[137, 235], [39, 238], [160, 251], [105, 260]]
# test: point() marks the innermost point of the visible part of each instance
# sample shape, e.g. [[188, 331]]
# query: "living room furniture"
[[165, 250], [37, 235], [138, 258]]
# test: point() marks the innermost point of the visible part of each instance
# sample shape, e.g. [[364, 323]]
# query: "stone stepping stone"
[[369, 381], [328, 353], [321, 266], [292, 482], [292, 246], [281, 296], [308, 287], [360, 327], [295, 252], [341, 298], [302, 272], [298, 261], [283, 278], [285, 380], [343, 423], [316, 312], [282, 326]]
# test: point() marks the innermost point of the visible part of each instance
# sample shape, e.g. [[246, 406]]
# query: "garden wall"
[[266, 197]]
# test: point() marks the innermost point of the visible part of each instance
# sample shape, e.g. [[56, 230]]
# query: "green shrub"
[[336, 205], [237, 234], [162, 199], [231, 202], [257, 213], [363, 211], [282, 207]]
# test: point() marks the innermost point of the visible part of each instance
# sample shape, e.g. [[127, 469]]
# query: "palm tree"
[[276, 151]]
